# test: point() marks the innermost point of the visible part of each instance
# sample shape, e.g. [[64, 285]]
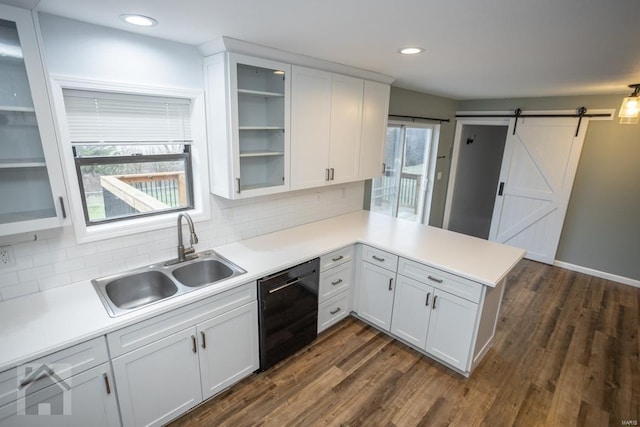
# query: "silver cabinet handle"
[[377, 258], [427, 303], [106, 382], [333, 174], [391, 284], [434, 279], [435, 297], [204, 339], [337, 259], [64, 211], [327, 176], [384, 167], [337, 310], [194, 346], [29, 380], [238, 184], [337, 282]]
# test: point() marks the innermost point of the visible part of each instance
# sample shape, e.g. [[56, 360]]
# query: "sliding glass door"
[[404, 190]]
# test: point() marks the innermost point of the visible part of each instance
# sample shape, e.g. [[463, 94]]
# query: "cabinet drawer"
[[64, 364], [336, 280], [336, 258], [380, 258], [151, 330], [448, 282], [333, 310]]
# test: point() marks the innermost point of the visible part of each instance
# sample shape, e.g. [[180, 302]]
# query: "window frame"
[[140, 223]]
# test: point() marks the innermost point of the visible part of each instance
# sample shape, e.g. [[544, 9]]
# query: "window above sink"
[[131, 155]]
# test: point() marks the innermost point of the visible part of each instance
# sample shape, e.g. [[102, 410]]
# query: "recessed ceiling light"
[[139, 20], [411, 50]]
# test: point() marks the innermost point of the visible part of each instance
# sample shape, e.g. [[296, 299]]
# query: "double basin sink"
[[134, 289]]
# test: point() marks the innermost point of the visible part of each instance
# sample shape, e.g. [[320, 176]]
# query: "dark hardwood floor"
[[566, 353]]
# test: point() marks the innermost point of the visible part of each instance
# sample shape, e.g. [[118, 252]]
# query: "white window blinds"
[[112, 118]]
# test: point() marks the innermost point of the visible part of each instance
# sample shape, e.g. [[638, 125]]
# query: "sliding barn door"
[[538, 168]]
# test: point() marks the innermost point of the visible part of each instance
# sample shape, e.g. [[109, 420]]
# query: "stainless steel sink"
[[202, 273], [134, 289]]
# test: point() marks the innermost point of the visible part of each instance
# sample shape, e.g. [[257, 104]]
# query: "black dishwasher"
[[288, 313]]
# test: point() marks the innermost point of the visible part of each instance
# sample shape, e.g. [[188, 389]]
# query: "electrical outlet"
[[7, 258]]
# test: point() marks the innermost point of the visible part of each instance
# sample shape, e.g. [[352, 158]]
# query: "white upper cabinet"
[[248, 116], [326, 122], [338, 128], [310, 127], [374, 129], [31, 180], [346, 125]]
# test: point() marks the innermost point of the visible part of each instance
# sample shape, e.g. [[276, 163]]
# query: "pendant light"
[[630, 108]]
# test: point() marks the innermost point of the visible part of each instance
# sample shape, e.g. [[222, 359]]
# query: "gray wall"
[[477, 177], [410, 103], [602, 227], [77, 49]]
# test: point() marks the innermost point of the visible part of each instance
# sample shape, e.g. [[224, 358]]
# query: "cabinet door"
[[346, 125], [159, 381], [451, 329], [86, 399], [228, 348], [375, 294], [310, 127], [248, 115], [30, 169], [411, 310], [374, 129]]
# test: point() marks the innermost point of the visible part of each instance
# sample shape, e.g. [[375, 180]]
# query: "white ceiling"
[[474, 49]]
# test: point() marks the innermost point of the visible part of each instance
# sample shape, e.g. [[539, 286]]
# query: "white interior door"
[[538, 169]]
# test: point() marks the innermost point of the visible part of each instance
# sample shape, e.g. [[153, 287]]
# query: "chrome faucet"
[[183, 254]]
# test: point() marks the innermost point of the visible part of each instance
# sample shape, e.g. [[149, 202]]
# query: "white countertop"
[[38, 324]]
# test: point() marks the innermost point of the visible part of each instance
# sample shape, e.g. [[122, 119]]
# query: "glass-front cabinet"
[[31, 184], [248, 118]]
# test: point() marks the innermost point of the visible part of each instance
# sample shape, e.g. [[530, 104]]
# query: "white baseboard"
[[597, 273]]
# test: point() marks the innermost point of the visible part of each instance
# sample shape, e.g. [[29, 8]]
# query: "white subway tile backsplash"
[[8, 279], [82, 250], [35, 273], [70, 265], [51, 257], [22, 289], [54, 281], [56, 259]]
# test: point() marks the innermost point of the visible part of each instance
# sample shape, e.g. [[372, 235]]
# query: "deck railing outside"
[[125, 194]]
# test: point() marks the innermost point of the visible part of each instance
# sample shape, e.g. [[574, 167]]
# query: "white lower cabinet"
[[412, 321], [228, 348], [336, 284], [451, 329], [433, 320], [71, 387], [215, 345], [159, 381], [375, 294], [445, 316]]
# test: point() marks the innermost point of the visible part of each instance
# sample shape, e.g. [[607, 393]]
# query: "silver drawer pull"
[[337, 310], [337, 259], [391, 284], [377, 258], [337, 282], [434, 279], [30, 380]]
